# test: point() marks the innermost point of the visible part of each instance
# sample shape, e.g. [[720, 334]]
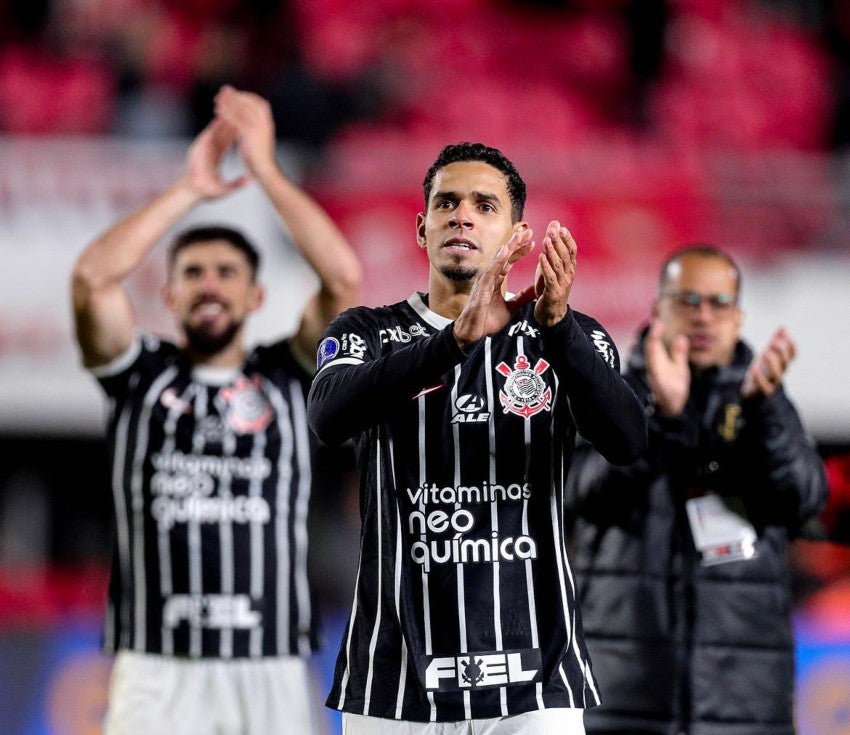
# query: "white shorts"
[[540, 722], [154, 695]]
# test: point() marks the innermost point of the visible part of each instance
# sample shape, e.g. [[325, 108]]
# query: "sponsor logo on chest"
[[470, 409]]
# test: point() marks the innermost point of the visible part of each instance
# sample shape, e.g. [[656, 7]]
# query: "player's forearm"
[[349, 399], [317, 238], [116, 253], [605, 408]]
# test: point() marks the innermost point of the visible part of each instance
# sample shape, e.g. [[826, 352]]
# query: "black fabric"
[[464, 604], [676, 646]]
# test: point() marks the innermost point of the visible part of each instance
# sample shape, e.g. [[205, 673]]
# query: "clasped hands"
[[487, 311]]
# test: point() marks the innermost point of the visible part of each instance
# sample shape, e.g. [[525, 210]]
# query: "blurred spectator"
[[47, 83]]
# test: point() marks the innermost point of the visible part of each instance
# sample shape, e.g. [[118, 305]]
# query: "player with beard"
[[465, 403], [209, 608]]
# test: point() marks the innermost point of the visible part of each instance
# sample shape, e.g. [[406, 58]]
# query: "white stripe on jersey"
[[461, 592], [426, 598], [137, 503], [556, 534], [402, 679], [284, 467], [373, 641], [163, 535], [228, 573], [353, 617], [122, 524], [193, 529], [256, 532], [529, 574], [302, 503], [494, 510]]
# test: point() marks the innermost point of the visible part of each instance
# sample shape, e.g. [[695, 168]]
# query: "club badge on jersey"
[[248, 409], [525, 393]]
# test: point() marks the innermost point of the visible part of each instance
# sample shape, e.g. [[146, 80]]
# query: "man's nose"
[[704, 311], [461, 217], [210, 281]]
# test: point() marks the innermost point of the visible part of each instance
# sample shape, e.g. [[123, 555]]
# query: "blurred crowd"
[[742, 74]]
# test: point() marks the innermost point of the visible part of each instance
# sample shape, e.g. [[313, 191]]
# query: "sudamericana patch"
[[328, 349]]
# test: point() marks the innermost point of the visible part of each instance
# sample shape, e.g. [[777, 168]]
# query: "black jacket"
[[678, 646]]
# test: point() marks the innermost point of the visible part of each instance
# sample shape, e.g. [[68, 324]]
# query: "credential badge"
[[525, 392]]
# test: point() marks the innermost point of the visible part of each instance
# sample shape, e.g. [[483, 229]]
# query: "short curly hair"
[[460, 152]]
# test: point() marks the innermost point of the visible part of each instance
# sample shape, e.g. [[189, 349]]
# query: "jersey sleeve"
[[605, 408], [358, 383], [120, 376]]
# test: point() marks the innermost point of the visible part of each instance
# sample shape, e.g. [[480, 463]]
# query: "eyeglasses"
[[688, 301]]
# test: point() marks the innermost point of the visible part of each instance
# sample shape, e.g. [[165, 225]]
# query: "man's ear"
[[520, 226], [258, 297], [167, 297], [420, 230]]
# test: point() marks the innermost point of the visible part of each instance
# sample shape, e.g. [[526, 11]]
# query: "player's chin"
[[458, 272]]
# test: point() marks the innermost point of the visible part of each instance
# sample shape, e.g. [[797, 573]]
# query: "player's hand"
[[765, 373], [202, 174], [556, 270], [251, 117], [667, 370], [487, 311]]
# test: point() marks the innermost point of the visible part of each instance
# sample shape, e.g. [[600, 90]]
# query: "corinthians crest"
[[525, 392], [248, 410]]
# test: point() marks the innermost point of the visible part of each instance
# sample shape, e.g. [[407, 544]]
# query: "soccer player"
[[465, 403], [209, 608], [681, 557]]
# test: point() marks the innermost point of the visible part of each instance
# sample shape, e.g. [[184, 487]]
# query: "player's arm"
[[315, 235], [103, 316], [356, 387], [605, 408]]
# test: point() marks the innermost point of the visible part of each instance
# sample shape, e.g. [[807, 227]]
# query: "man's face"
[[467, 221], [211, 291], [699, 299]]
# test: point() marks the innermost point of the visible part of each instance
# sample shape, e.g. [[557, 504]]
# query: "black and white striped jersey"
[[464, 603], [211, 480]]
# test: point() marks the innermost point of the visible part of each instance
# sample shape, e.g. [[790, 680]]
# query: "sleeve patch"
[[328, 350]]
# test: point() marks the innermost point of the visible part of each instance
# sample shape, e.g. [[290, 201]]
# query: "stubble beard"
[[458, 273], [205, 342]]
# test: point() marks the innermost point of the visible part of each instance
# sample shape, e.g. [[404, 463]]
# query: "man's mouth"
[[459, 243], [700, 341], [208, 309]]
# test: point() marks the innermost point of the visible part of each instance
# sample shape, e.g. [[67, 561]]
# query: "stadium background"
[[642, 124]]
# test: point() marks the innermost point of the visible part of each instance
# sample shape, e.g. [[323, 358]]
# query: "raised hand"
[[556, 269], [202, 174], [487, 311], [765, 373], [251, 117], [667, 370]]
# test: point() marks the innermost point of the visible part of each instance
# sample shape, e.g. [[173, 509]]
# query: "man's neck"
[[231, 356], [446, 297]]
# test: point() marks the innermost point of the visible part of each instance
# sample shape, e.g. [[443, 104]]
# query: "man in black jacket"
[[680, 557]]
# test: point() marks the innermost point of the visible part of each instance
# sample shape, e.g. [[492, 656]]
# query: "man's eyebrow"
[[481, 196]]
